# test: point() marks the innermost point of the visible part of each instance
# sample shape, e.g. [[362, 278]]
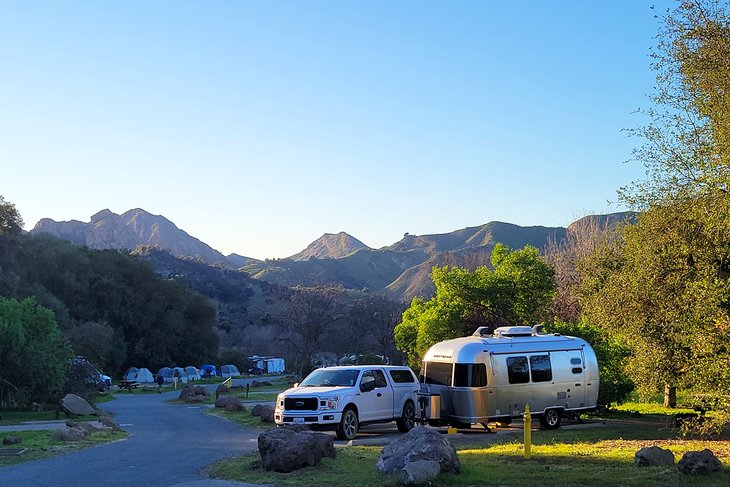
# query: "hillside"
[[330, 246], [107, 230], [402, 270]]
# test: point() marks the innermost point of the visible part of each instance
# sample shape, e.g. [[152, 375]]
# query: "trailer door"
[[577, 389]]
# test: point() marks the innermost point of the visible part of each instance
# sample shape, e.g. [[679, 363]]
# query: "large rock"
[[421, 443], [191, 393], [69, 434], [230, 403], [73, 404], [221, 389], [12, 440], [109, 423], [285, 450], [653, 456], [265, 412], [699, 462], [421, 472], [260, 383]]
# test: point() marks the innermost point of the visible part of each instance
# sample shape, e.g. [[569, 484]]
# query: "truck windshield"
[[330, 378]]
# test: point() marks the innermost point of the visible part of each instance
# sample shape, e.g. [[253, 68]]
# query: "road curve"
[[168, 445]]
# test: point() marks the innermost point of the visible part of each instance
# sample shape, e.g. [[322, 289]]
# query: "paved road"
[[168, 445]]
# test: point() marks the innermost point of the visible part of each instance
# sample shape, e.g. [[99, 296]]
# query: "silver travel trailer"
[[482, 379]]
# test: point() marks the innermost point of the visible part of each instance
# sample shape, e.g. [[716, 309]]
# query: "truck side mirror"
[[296, 384], [367, 386]]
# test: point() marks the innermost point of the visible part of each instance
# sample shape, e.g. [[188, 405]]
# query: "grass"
[[244, 418], [40, 445], [594, 456], [16, 416]]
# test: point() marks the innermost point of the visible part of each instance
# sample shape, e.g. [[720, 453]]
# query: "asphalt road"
[[168, 445]]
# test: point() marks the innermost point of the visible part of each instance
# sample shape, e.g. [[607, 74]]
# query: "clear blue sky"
[[257, 126]]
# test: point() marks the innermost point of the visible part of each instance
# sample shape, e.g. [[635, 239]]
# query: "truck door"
[[376, 404]]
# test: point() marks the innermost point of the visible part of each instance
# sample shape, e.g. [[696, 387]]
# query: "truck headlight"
[[280, 400], [332, 402]]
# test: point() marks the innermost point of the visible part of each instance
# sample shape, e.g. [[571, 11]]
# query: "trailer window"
[[470, 375], [438, 373], [517, 370], [540, 368]]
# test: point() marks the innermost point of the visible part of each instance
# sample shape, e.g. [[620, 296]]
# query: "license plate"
[[298, 420]]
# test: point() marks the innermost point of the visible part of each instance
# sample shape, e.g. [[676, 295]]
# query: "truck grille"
[[301, 404]]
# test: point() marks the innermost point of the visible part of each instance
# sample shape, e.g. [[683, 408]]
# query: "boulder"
[[266, 413], [421, 472], [12, 440], [221, 389], [653, 456], [193, 393], [285, 450], [73, 404], [260, 383], [421, 443], [230, 403], [325, 443], [699, 463], [69, 434], [106, 421]]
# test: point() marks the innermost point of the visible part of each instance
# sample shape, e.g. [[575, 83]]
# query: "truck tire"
[[550, 419], [408, 419], [347, 430]]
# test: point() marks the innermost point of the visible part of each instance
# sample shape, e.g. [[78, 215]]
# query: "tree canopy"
[[518, 291], [664, 286]]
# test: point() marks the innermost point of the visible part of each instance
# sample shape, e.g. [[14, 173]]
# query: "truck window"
[[470, 375], [517, 370], [437, 373], [401, 376], [380, 379], [540, 368]]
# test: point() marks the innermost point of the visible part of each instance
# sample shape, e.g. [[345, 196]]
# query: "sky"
[[257, 126]]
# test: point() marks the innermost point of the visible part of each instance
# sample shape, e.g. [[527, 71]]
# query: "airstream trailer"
[[488, 378]]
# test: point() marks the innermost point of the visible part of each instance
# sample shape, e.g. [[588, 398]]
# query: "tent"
[[208, 370], [130, 374], [179, 374], [230, 371], [165, 372], [274, 365], [192, 373], [144, 376]]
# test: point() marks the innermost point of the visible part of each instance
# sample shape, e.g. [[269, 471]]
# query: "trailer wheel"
[[550, 419], [408, 419], [347, 430]]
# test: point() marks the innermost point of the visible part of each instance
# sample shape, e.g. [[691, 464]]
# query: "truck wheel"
[[408, 419], [347, 430], [550, 419]]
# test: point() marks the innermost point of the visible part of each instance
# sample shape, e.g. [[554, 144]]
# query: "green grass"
[[15, 416], [244, 418], [40, 444], [594, 456]]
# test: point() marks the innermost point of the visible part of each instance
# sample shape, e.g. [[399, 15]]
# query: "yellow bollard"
[[527, 419]]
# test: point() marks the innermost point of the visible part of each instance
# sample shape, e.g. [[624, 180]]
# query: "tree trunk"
[[670, 396]]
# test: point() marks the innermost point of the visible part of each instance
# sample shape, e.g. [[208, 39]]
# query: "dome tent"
[[192, 373], [230, 371]]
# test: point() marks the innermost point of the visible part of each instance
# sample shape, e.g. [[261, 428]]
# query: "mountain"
[[239, 261], [330, 246], [401, 271], [107, 230]]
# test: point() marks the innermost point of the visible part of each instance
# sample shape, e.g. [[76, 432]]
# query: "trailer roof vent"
[[513, 331]]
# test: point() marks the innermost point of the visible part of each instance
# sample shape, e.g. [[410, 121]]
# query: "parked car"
[[345, 398]]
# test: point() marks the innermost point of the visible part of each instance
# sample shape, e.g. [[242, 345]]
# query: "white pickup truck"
[[344, 398]]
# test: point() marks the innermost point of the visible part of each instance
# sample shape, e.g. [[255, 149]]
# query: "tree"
[[666, 285], [34, 357], [518, 291], [10, 220]]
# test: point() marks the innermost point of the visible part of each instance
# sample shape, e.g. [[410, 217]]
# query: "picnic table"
[[128, 384]]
